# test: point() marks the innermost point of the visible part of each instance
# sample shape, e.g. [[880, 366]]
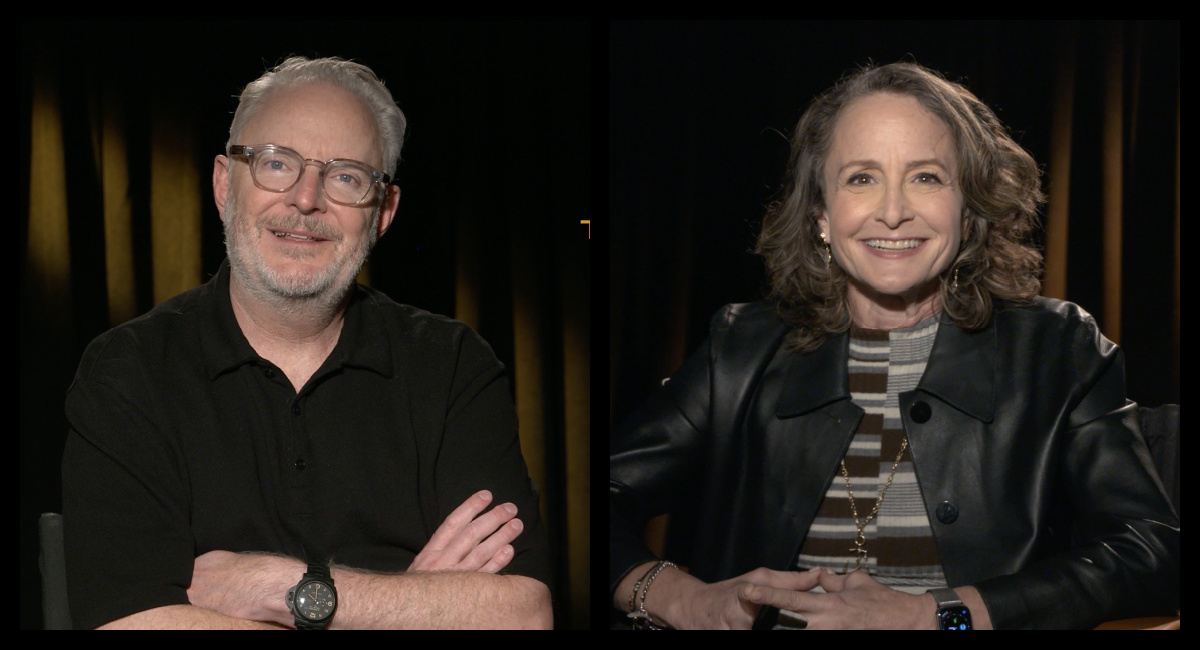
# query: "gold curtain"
[[1121, 65], [48, 260], [118, 211], [175, 195], [176, 190]]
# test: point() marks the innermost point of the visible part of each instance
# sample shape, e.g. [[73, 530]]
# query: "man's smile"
[[297, 235]]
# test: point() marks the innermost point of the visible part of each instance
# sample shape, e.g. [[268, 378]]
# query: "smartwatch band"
[[952, 614]]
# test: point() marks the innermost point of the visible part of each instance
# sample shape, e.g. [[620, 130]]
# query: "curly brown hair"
[[1001, 190]]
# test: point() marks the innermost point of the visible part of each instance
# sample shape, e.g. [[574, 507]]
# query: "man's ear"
[[221, 183], [391, 203]]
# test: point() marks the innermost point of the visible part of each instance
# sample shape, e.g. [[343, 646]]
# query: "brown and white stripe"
[[900, 545]]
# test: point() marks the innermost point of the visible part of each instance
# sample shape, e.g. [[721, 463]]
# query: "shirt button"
[[300, 464], [295, 409], [269, 373], [947, 512], [920, 412]]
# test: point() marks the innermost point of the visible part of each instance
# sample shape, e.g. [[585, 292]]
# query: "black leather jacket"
[[1039, 488]]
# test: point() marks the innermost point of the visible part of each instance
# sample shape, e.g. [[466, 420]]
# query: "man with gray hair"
[[282, 447]]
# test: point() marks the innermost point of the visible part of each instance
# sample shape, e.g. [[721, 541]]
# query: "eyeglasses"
[[278, 169]]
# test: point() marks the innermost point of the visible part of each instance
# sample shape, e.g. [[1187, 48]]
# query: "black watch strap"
[[319, 571]]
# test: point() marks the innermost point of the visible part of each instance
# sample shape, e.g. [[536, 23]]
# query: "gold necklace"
[[860, 542]]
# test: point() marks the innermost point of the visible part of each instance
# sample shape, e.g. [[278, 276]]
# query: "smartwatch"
[[313, 600], [952, 614]]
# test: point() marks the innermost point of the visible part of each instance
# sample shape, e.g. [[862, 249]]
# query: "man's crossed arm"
[[452, 583]]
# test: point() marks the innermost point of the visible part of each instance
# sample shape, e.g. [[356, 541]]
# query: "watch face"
[[954, 618], [315, 601]]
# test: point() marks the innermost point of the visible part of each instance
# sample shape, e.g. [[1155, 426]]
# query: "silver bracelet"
[[641, 618], [637, 585]]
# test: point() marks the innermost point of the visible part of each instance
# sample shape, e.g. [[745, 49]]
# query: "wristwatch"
[[952, 614], [313, 600]]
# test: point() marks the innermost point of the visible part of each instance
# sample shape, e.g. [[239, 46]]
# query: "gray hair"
[[353, 77]]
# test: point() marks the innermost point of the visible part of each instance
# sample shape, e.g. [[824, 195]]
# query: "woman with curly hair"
[[904, 434]]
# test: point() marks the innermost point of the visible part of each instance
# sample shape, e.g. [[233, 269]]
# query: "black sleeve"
[[470, 440], [1123, 560], [656, 460], [125, 518]]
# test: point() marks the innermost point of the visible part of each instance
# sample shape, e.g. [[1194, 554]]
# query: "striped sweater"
[[900, 545]]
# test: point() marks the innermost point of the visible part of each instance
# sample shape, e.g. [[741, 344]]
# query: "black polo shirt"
[[183, 440]]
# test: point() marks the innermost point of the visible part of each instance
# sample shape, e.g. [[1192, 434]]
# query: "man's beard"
[[323, 288]]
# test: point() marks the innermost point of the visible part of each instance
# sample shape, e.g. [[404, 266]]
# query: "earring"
[[827, 254], [954, 285]]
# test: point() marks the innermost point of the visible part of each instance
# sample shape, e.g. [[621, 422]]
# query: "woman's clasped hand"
[[850, 601]]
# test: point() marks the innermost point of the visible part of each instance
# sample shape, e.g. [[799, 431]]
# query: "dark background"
[[701, 113], [497, 150]]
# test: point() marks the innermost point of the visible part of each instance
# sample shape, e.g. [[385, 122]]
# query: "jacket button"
[[920, 412], [947, 512]]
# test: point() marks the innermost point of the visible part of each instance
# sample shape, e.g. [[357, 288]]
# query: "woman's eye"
[[927, 177], [858, 179]]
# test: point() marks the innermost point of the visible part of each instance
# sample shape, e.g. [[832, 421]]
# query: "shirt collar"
[[364, 342], [366, 339], [221, 339], [961, 371]]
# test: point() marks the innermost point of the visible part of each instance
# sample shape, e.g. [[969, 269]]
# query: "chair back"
[[1160, 428], [56, 614]]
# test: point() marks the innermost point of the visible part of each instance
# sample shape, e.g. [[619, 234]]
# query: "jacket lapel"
[[962, 369], [816, 378], [820, 377], [809, 431]]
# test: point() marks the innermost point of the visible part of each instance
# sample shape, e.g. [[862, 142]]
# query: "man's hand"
[[465, 542], [248, 586]]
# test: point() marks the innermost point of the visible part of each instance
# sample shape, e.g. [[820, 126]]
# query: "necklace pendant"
[[860, 549], [859, 556]]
